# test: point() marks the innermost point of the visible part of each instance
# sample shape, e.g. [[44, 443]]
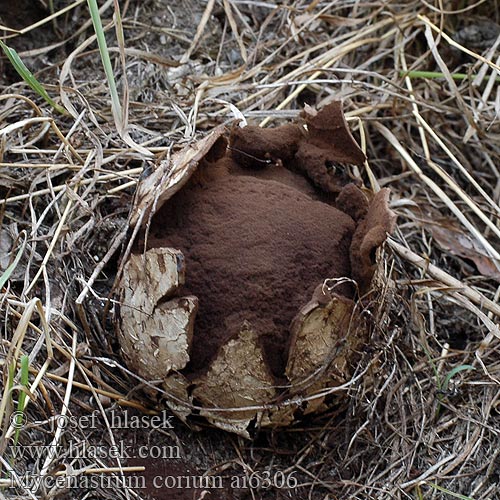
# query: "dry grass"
[[67, 183]]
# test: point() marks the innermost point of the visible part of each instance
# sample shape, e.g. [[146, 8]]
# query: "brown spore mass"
[[256, 237], [255, 251]]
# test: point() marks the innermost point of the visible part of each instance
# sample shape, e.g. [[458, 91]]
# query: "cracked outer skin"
[[155, 332]]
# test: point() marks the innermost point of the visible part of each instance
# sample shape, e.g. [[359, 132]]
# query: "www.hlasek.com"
[[93, 452]]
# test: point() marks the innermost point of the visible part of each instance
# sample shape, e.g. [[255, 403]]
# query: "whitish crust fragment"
[[155, 336], [237, 378]]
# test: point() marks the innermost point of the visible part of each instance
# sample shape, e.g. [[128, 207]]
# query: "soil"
[[177, 480], [23, 14], [256, 237]]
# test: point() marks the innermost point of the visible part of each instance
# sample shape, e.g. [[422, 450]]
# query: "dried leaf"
[[454, 241]]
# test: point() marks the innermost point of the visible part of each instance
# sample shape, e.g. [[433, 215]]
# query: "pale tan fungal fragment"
[[155, 336], [237, 378]]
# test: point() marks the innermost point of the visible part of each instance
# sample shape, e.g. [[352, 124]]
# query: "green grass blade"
[[120, 37], [431, 75], [28, 76], [448, 492], [452, 373], [8, 391], [12, 374], [25, 364], [106, 61], [119, 114]]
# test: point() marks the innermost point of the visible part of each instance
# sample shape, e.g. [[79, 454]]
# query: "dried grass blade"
[[391, 138]]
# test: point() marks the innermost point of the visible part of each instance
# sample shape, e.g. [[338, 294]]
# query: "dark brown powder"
[[255, 251]]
